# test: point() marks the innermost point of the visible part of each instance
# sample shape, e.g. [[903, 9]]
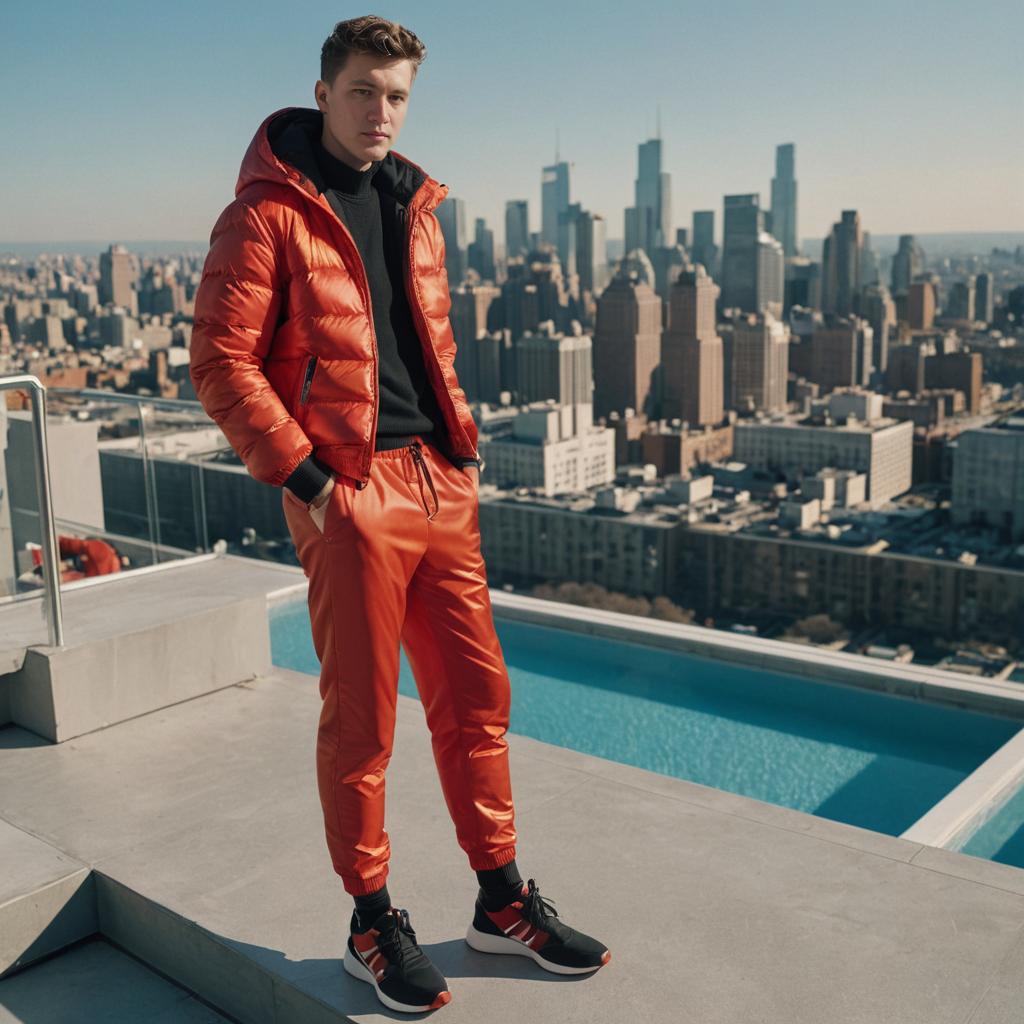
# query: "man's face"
[[364, 108]]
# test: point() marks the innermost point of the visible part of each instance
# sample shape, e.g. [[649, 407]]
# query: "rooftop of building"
[[190, 838]]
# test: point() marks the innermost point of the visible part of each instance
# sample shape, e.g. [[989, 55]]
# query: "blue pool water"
[[864, 758], [1001, 838]]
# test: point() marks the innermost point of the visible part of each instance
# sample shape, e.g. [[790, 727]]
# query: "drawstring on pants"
[[421, 465]]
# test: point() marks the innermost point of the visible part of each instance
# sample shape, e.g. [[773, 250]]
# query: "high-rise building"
[[627, 347], [451, 215], [703, 249], [840, 271], [470, 316], [591, 251], [803, 284], [784, 199], [517, 228], [870, 273], [905, 370], [567, 241], [481, 250], [743, 225], [921, 305], [649, 220], [760, 363], [550, 364], [959, 370], [984, 298], [554, 199], [879, 310], [771, 275], [691, 352], [988, 477], [906, 264], [841, 352], [116, 276], [962, 297]]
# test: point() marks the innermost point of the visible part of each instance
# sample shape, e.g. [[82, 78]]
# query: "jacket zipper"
[[308, 379]]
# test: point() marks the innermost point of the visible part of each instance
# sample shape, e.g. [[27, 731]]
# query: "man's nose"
[[380, 112]]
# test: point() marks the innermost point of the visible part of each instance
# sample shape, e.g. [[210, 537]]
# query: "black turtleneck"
[[408, 405]]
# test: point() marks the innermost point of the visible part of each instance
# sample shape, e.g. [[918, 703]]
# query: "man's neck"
[[339, 152]]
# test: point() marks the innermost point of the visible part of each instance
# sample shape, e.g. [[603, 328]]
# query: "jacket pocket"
[[307, 379]]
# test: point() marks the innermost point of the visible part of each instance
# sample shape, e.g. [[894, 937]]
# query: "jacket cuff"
[[307, 479], [478, 462]]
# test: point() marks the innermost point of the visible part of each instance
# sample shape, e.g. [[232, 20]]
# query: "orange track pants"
[[399, 562]]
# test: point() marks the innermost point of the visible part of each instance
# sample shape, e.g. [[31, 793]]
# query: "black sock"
[[499, 886], [370, 907]]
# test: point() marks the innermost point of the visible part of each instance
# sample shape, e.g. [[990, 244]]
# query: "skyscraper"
[[962, 297], [760, 363], [649, 220], [840, 275], [921, 305], [841, 352], [703, 249], [517, 228], [627, 346], [880, 311], [784, 199], [743, 226], [554, 199], [452, 216], [567, 238], [116, 276], [906, 264], [591, 251], [692, 352], [481, 250], [771, 275], [984, 297]]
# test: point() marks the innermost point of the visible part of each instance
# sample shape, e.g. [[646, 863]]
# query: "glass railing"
[[96, 484], [157, 480]]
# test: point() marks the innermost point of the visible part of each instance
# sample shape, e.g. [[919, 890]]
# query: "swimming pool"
[[861, 757]]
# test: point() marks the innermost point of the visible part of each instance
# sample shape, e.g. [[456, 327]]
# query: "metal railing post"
[[51, 551]]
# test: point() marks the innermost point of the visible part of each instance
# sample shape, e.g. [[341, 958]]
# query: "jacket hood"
[[283, 151]]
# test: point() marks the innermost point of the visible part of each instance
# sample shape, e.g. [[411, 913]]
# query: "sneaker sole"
[[359, 970], [485, 943]]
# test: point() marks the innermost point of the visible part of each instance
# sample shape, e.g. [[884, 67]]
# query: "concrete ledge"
[[955, 818], [60, 693], [47, 899], [792, 659]]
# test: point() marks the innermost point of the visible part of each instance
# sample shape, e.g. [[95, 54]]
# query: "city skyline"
[[134, 177]]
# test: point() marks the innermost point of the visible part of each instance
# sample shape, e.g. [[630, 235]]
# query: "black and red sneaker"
[[387, 957], [530, 926]]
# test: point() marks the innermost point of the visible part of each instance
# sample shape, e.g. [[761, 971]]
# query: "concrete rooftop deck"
[[200, 829]]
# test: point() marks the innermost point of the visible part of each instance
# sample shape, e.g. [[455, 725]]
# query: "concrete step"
[[47, 899], [95, 981]]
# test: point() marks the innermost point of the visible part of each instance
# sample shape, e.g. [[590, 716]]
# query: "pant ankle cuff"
[[489, 861], [355, 886]]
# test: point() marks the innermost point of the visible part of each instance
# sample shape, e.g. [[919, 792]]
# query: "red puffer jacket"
[[283, 351]]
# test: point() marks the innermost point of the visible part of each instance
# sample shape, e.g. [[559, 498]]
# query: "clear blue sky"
[[127, 121]]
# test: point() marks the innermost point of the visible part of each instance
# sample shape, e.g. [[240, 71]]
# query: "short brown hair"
[[368, 34]]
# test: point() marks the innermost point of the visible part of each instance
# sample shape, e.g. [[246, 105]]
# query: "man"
[[323, 349]]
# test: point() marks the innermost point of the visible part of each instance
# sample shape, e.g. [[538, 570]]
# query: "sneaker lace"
[[390, 938], [538, 909]]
